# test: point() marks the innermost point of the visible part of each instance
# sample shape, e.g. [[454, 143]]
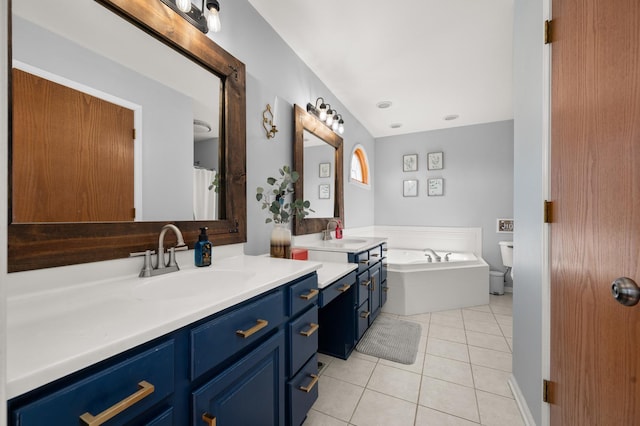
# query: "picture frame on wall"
[[410, 163], [410, 188], [435, 187], [324, 191], [435, 161], [325, 170]]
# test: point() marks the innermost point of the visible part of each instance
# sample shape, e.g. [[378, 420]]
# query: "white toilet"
[[506, 250]]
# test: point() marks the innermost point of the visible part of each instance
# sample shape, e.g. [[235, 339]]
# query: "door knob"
[[625, 291]]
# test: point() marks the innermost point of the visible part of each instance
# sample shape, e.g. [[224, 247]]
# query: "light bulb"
[[323, 112], [184, 5], [334, 126], [329, 118], [341, 127], [213, 20]]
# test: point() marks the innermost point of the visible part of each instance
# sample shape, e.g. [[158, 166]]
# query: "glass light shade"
[[334, 126], [213, 20], [323, 113], [329, 118], [341, 127], [184, 5]]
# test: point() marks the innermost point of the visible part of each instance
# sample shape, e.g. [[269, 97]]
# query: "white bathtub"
[[417, 286]]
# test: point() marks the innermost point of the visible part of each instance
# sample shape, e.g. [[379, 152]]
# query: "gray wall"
[[274, 70], [529, 193], [478, 181]]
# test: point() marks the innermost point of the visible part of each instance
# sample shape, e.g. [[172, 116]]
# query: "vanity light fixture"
[[269, 122], [327, 115], [205, 19]]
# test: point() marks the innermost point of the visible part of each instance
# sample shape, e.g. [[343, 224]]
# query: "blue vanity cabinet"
[[375, 291], [251, 364], [370, 287], [336, 336]]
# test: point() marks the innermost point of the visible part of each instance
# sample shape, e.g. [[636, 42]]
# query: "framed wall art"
[[410, 188], [325, 170], [435, 187], [410, 163], [435, 161], [324, 191]]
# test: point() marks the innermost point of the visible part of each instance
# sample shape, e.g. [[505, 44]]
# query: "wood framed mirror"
[[317, 157], [48, 244]]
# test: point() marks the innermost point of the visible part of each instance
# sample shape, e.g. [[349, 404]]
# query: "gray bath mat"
[[391, 339]]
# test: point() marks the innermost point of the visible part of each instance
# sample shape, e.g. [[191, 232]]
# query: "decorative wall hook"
[[269, 120]]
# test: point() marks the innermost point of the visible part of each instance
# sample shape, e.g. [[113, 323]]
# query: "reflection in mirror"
[[317, 156], [79, 175], [318, 171]]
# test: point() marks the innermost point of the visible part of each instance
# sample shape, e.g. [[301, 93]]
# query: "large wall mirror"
[[84, 185], [317, 156]]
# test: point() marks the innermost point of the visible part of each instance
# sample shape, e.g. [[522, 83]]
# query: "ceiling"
[[430, 58]]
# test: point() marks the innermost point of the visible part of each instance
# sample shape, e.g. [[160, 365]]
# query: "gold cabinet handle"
[[344, 288], [375, 255], [312, 329], [373, 284], [260, 324], [312, 293], [364, 262], [145, 389], [366, 283], [385, 288], [311, 385], [365, 314], [209, 419]]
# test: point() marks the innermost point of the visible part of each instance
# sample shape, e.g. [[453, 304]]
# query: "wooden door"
[[595, 233], [72, 155]]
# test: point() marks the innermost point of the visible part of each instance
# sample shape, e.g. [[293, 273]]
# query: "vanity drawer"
[[375, 255], [362, 259], [363, 319], [218, 339], [302, 392], [148, 375], [364, 284], [302, 294], [339, 287], [303, 339]]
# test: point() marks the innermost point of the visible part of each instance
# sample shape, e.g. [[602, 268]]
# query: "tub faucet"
[[433, 253], [326, 234]]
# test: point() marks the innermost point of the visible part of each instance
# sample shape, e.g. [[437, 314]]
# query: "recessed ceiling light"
[[384, 104], [396, 125], [200, 126], [451, 117]]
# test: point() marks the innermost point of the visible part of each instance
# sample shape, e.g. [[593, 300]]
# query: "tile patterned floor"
[[459, 377]]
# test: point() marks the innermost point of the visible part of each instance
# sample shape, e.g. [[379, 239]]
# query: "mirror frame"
[[306, 121], [44, 245]]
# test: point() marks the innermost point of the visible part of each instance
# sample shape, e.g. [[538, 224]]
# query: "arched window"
[[359, 166]]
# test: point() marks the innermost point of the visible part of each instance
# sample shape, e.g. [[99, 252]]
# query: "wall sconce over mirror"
[[269, 122], [205, 19], [327, 115]]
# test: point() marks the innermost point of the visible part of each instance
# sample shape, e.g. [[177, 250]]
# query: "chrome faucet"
[[162, 267], [326, 234], [433, 253]]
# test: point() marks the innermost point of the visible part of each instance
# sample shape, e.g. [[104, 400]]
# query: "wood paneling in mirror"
[[36, 246], [306, 121]]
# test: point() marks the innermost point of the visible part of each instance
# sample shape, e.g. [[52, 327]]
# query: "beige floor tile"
[[447, 333], [481, 308], [471, 315], [447, 349], [492, 380], [379, 409], [448, 369], [504, 300], [337, 398], [510, 342], [416, 367], [428, 417], [395, 382], [420, 318], [316, 418], [498, 411], [489, 341], [452, 313], [507, 330], [363, 356], [325, 360], [489, 327], [504, 319], [422, 345], [490, 358], [449, 397], [502, 310], [446, 320], [354, 370]]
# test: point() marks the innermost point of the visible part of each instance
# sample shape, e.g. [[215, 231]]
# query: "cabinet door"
[[250, 392], [374, 292]]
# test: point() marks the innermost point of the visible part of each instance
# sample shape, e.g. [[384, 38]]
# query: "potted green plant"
[[276, 199]]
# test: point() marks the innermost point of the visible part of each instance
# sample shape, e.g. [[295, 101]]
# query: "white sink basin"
[[189, 283], [344, 242]]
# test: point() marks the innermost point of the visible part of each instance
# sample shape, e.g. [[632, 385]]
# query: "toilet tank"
[[506, 249]]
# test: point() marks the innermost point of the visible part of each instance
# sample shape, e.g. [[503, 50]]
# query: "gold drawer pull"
[[366, 283], [385, 288], [209, 419], [312, 293], [364, 262], [259, 326], [313, 328], [344, 288], [311, 385], [373, 284], [365, 314], [145, 389], [375, 255]]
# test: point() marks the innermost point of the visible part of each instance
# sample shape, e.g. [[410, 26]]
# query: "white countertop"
[[345, 245], [331, 271], [53, 333]]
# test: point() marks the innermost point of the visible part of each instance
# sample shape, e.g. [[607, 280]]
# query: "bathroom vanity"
[[229, 345]]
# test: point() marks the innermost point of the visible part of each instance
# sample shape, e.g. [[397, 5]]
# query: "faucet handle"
[[142, 253], [172, 257], [146, 268]]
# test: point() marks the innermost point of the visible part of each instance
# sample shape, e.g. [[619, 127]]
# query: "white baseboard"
[[527, 417]]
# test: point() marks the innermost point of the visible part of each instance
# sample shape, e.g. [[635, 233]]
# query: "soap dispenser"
[[338, 230], [203, 249]]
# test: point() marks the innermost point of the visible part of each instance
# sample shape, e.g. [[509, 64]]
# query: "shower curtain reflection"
[[204, 194]]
